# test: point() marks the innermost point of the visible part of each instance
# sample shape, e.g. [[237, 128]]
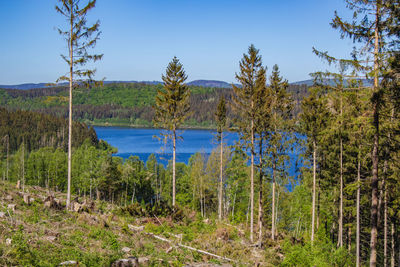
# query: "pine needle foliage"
[[172, 102], [172, 108]]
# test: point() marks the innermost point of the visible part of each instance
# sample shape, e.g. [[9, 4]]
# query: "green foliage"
[[321, 253], [172, 102], [39, 130], [220, 116]]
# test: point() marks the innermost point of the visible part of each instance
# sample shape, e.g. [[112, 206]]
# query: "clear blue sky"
[[139, 38]]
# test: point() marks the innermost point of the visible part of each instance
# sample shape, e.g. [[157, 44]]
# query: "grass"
[[46, 237]]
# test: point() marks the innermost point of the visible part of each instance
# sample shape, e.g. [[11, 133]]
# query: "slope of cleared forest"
[[35, 230]]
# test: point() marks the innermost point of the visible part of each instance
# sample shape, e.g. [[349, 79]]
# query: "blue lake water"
[[143, 143]]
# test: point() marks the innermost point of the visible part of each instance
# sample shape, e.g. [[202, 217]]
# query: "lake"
[[143, 143]]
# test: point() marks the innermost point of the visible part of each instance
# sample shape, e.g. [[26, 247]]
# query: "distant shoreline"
[[136, 126]]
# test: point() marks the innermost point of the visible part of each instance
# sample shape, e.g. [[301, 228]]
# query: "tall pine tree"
[[172, 108], [244, 103], [79, 38], [220, 116]]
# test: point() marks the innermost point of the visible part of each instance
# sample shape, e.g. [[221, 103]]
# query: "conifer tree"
[[373, 26], [172, 108], [244, 102], [262, 130], [79, 38], [313, 121], [220, 116], [281, 108]]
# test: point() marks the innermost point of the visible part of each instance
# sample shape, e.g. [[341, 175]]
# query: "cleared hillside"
[[38, 232]]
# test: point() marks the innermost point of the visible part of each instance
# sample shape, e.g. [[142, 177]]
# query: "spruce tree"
[[262, 130], [244, 103], [172, 108], [374, 26], [280, 129], [220, 116], [313, 120], [79, 38]]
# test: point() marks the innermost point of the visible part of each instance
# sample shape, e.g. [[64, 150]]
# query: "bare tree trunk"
[[252, 182], [260, 196], [313, 194], [126, 193], [358, 208], [8, 148], [318, 200], [276, 213], [220, 184], [234, 203], [133, 194], [385, 210], [340, 237], [173, 167], [375, 150], [71, 69], [23, 165], [392, 263], [201, 197], [273, 199]]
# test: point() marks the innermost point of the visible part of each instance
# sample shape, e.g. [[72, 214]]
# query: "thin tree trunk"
[[273, 199], [23, 165], [8, 148], [133, 193], [71, 68], [341, 196], [260, 196], [385, 215], [392, 263], [201, 197], [375, 150], [234, 203], [220, 185], [318, 200], [313, 194], [276, 213], [358, 208], [173, 167], [252, 181]]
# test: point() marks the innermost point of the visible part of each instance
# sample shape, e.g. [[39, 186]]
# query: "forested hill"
[[122, 104], [37, 130]]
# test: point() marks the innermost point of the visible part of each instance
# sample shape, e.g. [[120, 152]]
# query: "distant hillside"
[[25, 86], [28, 86], [199, 83], [210, 83], [124, 104], [202, 83], [310, 82]]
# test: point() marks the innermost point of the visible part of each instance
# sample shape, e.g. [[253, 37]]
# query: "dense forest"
[[36, 130], [120, 104]]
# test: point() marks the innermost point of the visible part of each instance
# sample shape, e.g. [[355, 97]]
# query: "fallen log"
[[191, 248]]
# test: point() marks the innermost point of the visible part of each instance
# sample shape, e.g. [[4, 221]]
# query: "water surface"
[[144, 142]]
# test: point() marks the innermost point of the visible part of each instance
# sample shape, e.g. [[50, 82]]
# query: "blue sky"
[[139, 38]]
